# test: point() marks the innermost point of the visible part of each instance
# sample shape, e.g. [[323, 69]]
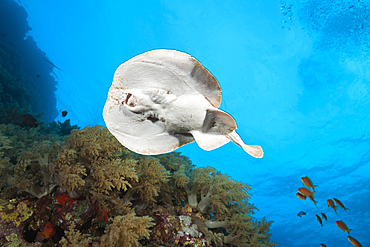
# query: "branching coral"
[[206, 187], [93, 163], [75, 238], [152, 176], [176, 164], [22, 151], [126, 231], [210, 191]]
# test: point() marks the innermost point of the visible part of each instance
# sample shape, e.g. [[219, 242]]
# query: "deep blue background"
[[295, 75]]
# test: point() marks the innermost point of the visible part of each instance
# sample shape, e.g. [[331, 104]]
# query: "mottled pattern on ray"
[[163, 99]]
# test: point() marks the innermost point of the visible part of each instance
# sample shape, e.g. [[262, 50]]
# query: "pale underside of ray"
[[163, 99]]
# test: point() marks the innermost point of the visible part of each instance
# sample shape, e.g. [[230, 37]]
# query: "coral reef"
[[86, 189], [126, 230], [75, 238], [13, 217], [65, 128], [22, 158]]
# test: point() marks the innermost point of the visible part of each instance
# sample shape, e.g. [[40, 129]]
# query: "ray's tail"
[[254, 150]]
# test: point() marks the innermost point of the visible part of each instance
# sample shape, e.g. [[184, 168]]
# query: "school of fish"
[[309, 191]]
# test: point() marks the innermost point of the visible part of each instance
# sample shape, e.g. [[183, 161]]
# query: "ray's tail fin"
[[254, 150]]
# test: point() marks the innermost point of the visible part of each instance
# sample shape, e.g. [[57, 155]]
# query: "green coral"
[[14, 213], [13, 240]]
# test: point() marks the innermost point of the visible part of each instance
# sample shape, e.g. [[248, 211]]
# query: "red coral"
[[64, 199], [68, 210], [105, 214]]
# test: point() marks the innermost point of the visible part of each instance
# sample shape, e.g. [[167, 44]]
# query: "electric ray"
[[163, 99]]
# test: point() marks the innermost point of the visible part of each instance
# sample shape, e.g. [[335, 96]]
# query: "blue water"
[[295, 75]]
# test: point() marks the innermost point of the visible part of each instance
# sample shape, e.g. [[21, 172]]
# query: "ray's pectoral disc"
[[163, 99]]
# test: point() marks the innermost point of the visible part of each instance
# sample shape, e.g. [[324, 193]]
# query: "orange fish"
[[305, 192], [313, 200], [322, 245], [319, 220], [354, 242], [324, 216], [46, 233], [308, 183], [300, 196], [342, 226], [332, 205], [340, 204]]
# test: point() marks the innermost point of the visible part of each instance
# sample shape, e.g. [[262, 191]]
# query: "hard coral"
[[178, 226], [13, 215]]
